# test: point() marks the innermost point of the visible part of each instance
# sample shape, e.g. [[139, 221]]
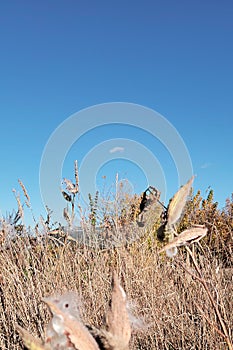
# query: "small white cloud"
[[116, 149], [206, 165]]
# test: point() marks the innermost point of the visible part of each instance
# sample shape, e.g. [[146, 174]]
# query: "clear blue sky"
[[58, 57]]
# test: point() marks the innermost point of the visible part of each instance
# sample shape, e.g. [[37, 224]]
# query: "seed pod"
[[187, 237], [177, 203]]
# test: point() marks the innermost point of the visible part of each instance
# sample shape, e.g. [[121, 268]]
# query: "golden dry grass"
[[180, 303], [174, 306]]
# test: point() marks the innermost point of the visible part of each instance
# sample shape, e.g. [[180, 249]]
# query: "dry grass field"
[[181, 303]]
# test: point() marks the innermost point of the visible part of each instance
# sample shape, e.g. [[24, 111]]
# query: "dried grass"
[[181, 303], [175, 307]]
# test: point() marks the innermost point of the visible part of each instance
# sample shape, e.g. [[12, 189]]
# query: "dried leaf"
[[66, 196], [149, 203]]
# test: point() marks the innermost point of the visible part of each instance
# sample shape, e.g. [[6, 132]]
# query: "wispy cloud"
[[206, 165], [116, 149]]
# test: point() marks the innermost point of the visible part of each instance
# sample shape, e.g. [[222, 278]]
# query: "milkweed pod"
[[177, 203], [189, 236], [117, 317], [68, 303], [31, 342], [67, 324]]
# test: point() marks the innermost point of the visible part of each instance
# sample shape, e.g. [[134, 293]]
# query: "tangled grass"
[[180, 303], [174, 307]]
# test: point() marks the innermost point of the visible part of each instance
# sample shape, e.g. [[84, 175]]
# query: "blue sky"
[[59, 57]]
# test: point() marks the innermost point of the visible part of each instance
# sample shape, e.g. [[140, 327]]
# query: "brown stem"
[[203, 282]]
